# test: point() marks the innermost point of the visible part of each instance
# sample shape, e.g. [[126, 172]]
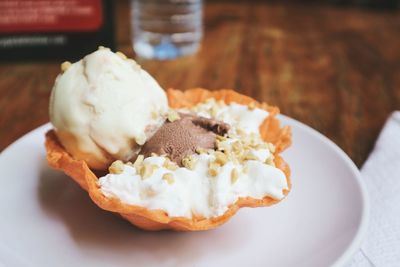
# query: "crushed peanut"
[[237, 146], [65, 66], [245, 169], [220, 158], [250, 156], [271, 147], [234, 175], [170, 165], [214, 111], [213, 171], [189, 162], [121, 55], [116, 167], [200, 150], [173, 115], [138, 161], [253, 138], [230, 156], [221, 138], [154, 114], [238, 151], [240, 132], [252, 106], [141, 139], [168, 177], [213, 168], [147, 170], [270, 161], [261, 146]]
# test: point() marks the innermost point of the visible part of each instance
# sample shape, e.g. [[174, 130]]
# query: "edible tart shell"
[[154, 220]]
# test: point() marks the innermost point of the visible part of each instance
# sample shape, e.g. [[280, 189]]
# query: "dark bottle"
[[54, 30]]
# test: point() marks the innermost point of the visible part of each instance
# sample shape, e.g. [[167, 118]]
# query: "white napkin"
[[381, 174]]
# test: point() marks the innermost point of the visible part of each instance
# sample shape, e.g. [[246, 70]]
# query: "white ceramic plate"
[[47, 220]]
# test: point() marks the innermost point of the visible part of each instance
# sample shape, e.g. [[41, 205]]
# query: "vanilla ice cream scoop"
[[104, 107]]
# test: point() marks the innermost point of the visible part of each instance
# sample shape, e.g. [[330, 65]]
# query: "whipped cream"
[[194, 192], [189, 192], [236, 115]]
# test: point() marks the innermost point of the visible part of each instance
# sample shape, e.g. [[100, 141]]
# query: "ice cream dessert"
[[104, 107], [208, 154]]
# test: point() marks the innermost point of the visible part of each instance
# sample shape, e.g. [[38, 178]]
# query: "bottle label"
[[28, 16]]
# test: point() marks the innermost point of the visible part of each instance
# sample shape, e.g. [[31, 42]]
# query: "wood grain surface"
[[335, 69]]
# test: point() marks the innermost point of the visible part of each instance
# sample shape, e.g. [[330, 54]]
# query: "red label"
[[50, 16]]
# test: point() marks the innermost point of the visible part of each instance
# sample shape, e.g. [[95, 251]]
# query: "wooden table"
[[335, 69]]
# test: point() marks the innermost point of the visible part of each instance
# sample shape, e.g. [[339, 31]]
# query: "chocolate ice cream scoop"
[[182, 137]]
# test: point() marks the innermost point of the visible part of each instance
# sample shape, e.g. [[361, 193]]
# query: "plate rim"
[[355, 244]]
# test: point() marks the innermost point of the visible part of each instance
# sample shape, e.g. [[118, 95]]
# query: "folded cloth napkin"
[[381, 174]]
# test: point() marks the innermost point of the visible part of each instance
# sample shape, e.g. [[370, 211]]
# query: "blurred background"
[[332, 64]]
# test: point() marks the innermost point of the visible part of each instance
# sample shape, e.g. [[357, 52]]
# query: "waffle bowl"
[[154, 220]]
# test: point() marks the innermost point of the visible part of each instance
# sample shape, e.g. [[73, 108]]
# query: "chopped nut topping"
[[213, 171], [261, 146], [154, 154], [189, 162], [138, 161], [252, 106], [270, 161], [237, 147], [213, 168], [225, 147], [250, 156], [220, 158], [116, 167], [170, 165], [141, 139], [241, 149], [240, 132], [173, 115], [221, 138], [245, 169], [200, 150], [121, 55], [147, 170], [230, 156], [214, 111], [234, 175], [169, 178], [247, 147], [154, 114], [271, 147], [65, 66], [253, 137]]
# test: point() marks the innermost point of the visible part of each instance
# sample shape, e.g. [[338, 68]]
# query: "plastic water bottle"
[[166, 29]]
